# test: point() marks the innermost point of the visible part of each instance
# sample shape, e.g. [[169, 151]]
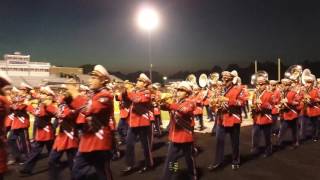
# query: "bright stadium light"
[[148, 18]]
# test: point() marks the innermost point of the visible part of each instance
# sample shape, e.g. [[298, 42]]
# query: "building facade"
[[17, 64]]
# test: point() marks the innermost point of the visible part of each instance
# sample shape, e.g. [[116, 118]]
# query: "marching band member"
[[124, 104], [289, 108], [206, 102], [156, 111], [275, 110], [199, 96], [216, 92], [181, 135], [44, 134], [311, 106], [67, 140], [96, 138], [139, 124], [4, 109], [9, 94], [261, 114], [231, 101], [18, 139]]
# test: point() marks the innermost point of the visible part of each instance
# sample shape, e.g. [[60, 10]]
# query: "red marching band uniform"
[[96, 120], [311, 108], [237, 98], [181, 113], [100, 106], [139, 113], [67, 140], [198, 112], [18, 139], [66, 137], [43, 113], [292, 110], [140, 125], [275, 107], [262, 118], [157, 113], [124, 104], [229, 120], [263, 114], [289, 111], [124, 107], [4, 109], [44, 133], [181, 135]]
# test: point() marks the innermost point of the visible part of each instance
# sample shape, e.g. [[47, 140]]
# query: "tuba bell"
[[203, 80], [294, 73], [214, 78], [307, 74], [192, 79], [255, 76]]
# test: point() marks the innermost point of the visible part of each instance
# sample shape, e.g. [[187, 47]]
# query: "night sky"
[[194, 34]]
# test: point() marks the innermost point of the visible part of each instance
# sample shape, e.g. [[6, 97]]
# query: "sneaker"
[[235, 167], [11, 162], [213, 167]]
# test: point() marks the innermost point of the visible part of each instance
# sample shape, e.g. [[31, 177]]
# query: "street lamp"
[[148, 20], [164, 79]]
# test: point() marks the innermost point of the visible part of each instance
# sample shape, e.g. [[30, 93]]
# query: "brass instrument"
[[218, 100], [168, 94], [258, 74], [123, 86], [214, 78], [306, 97], [192, 79], [256, 98], [203, 80], [256, 101], [294, 72], [283, 103]]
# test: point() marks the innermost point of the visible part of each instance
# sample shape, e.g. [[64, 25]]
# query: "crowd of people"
[[78, 120]]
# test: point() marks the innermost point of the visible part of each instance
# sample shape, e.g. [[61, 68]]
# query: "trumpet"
[[168, 95], [218, 100], [283, 103], [120, 87], [256, 101]]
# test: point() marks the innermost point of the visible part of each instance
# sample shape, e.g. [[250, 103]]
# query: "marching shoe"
[[213, 167], [144, 169], [235, 166], [127, 169]]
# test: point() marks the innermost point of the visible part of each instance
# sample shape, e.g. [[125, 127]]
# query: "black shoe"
[[295, 146], [265, 155], [254, 152], [235, 167], [24, 172], [127, 169], [213, 167], [144, 169], [315, 139]]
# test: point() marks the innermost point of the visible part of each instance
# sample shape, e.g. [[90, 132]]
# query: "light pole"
[[148, 20]]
